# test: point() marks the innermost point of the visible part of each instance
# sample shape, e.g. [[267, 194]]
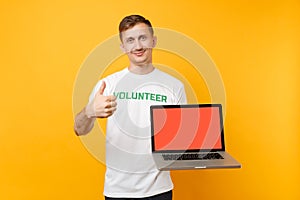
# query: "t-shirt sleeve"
[[181, 96]]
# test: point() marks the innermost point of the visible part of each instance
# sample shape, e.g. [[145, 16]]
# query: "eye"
[[130, 40], [143, 38]]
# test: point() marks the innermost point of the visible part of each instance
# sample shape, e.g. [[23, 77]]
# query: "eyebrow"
[[143, 35], [131, 37], [127, 38]]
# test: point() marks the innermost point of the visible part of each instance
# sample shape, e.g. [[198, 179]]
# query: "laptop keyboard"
[[192, 156]]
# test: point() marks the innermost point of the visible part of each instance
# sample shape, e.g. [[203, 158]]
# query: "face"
[[137, 43]]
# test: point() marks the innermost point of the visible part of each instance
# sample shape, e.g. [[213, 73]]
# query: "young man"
[[125, 98]]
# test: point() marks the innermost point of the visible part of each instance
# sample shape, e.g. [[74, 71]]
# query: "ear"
[[154, 41], [122, 48]]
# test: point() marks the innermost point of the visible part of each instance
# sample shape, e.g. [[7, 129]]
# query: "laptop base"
[[227, 162]]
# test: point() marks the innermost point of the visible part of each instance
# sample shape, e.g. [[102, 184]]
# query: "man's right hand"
[[102, 106]]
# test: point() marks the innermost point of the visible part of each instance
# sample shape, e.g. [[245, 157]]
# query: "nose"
[[138, 45]]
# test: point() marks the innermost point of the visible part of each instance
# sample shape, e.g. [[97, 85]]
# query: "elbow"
[[79, 132]]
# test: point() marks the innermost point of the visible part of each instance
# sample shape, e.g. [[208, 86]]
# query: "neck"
[[141, 69]]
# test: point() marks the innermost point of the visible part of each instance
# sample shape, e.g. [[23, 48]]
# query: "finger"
[[110, 98], [110, 104], [109, 111], [113, 104], [102, 88]]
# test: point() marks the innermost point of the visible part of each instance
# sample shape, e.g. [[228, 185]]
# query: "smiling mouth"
[[139, 53]]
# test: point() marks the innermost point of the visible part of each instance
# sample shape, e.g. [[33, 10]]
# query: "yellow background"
[[255, 44]]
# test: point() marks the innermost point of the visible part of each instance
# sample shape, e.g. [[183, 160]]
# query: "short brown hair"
[[132, 20]]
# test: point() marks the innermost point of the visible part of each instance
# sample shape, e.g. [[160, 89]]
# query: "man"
[[125, 98]]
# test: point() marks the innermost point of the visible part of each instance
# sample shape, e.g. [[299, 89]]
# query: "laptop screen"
[[187, 127]]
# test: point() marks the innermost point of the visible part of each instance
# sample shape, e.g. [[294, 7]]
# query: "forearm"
[[83, 125]]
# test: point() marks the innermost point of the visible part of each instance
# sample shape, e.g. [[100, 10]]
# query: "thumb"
[[102, 88]]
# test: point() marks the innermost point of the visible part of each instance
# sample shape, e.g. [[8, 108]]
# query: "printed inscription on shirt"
[[141, 96]]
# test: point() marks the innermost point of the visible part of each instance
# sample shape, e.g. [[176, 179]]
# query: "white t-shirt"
[[130, 169]]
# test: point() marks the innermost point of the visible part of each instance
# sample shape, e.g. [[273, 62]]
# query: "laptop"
[[189, 136]]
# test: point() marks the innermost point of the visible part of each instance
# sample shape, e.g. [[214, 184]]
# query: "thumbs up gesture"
[[102, 106]]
